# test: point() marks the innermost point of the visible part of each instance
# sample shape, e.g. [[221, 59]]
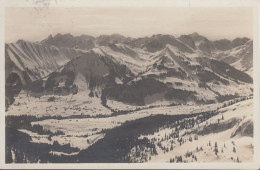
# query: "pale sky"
[[36, 24]]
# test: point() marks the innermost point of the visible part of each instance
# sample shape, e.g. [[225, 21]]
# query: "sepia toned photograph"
[[129, 84]]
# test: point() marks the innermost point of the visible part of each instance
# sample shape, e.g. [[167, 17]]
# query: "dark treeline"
[[24, 151], [114, 147], [118, 142]]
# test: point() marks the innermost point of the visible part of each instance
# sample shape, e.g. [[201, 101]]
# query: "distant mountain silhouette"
[[190, 68]]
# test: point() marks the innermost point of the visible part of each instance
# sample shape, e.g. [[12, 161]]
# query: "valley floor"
[[220, 132]]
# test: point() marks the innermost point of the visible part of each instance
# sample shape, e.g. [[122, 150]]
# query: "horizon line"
[[133, 37]]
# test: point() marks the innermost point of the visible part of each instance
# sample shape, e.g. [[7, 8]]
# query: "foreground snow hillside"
[[226, 137]]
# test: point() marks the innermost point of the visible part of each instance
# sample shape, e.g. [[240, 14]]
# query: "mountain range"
[[137, 71]]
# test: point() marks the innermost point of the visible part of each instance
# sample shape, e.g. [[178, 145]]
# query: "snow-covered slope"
[[137, 71], [201, 79], [37, 60], [238, 52], [158, 42], [84, 42], [240, 57], [229, 51], [91, 71], [131, 76], [105, 40], [225, 137]]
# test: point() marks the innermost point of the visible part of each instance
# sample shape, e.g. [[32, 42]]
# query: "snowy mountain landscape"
[[117, 99]]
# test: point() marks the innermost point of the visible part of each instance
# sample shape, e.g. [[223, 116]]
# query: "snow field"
[[230, 148]]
